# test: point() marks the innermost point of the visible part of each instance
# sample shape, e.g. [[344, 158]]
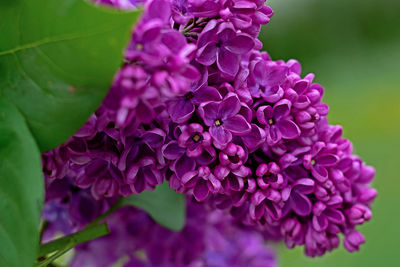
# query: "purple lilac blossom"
[[209, 238], [196, 103]]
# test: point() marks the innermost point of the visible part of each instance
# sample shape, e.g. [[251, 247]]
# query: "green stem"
[[108, 212], [88, 233], [59, 253], [92, 231]]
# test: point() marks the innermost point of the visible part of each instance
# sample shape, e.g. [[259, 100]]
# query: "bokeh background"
[[353, 47]]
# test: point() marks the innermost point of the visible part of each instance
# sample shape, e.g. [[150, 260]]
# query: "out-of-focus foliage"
[[57, 61], [353, 47], [21, 189]]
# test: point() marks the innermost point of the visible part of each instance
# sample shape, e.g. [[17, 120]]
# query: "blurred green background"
[[353, 47]]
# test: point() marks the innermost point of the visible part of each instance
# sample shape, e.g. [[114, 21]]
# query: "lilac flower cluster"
[[209, 238], [215, 242], [198, 104]]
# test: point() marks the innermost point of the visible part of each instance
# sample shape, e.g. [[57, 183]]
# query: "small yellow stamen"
[[139, 46], [313, 162], [196, 138], [218, 122], [271, 121]]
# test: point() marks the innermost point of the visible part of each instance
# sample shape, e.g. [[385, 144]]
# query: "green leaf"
[[163, 204], [57, 61], [21, 189]]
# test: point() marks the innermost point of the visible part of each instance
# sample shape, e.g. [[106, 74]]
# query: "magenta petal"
[[255, 138], [300, 204], [327, 160], [227, 62], [96, 168], [226, 32], [288, 129], [237, 125], [220, 135], [273, 94], [172, 150], [151, 30], [241, 44], [207, 54], [256, 211], [183, 165], [201, 191], [273, 134], [180, 110], [154, 138], [263, 114], [160, 9], [335, 216], [229, 106], [205, 94], [139, 185], [320, 223], [144, 112], [320, 173], [209, 112], [189, 176], [191, 73], [282, 109], [304, 185]]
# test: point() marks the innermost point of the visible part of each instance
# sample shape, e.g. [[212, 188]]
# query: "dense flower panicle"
[[197, 103]]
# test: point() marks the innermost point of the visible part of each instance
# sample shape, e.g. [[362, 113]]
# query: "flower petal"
[[209, 112], [207, 54], [327, 160], [229, 107], [180, 110], [227, 62], [205, 94], [288, 129], [241, 44], [200, 191], [301, 204], [237, 125], [320, 173], [220, 135], [183, 165]]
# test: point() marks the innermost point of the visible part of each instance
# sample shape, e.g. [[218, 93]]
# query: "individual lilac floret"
[[194, 139], [221, 43], [224, 120], [277, 121], [182, 108], [266, 78]]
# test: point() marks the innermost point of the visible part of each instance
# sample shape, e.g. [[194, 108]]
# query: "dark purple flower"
[[221, 43], [318, 161], [296, 197], [268, 175], [233, 156], [182, 108], [224, 120], [194, 139], [266, 78], [353, 240], [277, 121], [202, 181]]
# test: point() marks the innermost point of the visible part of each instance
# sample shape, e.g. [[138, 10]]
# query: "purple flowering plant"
[[203, 151]]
